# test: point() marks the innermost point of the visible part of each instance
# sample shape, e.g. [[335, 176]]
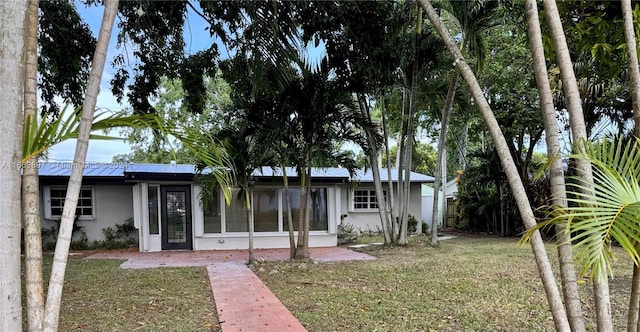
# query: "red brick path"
[[243, 301]]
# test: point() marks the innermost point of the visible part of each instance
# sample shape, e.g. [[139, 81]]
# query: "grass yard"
[[100, 296], [471, 283]]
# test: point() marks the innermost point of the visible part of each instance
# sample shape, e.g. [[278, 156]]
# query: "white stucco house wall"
[[165, 203]]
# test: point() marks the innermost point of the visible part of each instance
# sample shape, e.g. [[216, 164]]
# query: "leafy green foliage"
[[65, 51], [424, 158], [150, 146]]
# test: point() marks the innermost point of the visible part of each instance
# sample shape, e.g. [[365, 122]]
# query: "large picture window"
[[54, 203], [269, 211]]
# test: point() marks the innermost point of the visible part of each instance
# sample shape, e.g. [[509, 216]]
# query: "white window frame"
[[47, 202], [371, 193]]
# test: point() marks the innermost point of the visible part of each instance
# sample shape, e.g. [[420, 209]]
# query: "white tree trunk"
[[440, 178], [54, 294], [30, 184], [511, 171], [373, 156], [248, 196], [556, 177], [579, 134], [13, 15], [634, 73]]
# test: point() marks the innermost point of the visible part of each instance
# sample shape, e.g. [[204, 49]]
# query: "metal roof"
[[92, 169], [362, 176], [316, 172]]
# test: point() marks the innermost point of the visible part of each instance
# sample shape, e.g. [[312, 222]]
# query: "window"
[[235, 214], [212, 215], [265, 210], [153, 210], [318, 216], [54, 203], [366, 199]]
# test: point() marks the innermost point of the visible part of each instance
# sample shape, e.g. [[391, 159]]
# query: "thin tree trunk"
[[389, 238], [307, 208], [54, 295], [390, 193], [462, 146], [632, 61], [556, 176], [13, 16], [402, 138], [408, 154], [633, 315], [292, 238], [539, 251], [30, 184], [303, 203], [579, 133], [440, 157], [248, 196], [303, 232]]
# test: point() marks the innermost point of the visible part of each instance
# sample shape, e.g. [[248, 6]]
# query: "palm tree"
[[578, 133], [634, 74], [30, 185], [52, 308], [608, 211], [473, 18], [511, 171], [13, 16], [558, 189]]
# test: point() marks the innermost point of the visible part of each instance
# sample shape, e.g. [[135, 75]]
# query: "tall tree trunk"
[[307, 210], [556, 176], [287, 200], [248, 196], [300, 251], [30, 184], [462, 146], [389, 238], [54, 295], [302, 177], [440, 157], [579, 133], [520, 196], [408, 149], [390, 185], [633, 316], [13, 18]]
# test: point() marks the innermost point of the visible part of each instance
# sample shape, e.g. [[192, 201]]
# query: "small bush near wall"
[[117, 237], [50, 236], [346, 234]]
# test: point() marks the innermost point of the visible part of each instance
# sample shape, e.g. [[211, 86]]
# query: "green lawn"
[[100, 296], [471, 283]]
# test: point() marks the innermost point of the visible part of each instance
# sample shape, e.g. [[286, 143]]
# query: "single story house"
[[165, 203]]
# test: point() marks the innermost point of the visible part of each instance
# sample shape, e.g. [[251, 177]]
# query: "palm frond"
[[606, 209]]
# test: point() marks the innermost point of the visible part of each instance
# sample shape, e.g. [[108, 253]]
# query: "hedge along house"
[[164, 202]]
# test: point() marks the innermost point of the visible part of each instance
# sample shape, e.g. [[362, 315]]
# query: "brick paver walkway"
[[243, 301]]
